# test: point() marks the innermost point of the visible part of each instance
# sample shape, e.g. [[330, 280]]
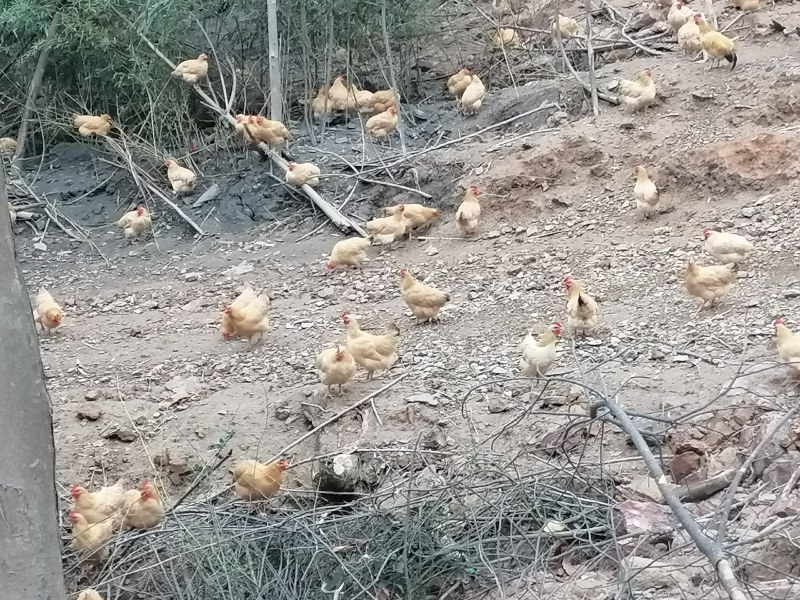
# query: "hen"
[[638, 93], [566, 26], [689, 38], [135, 223], [383, 124], [645, 192], [472, 98], [581, 307], [386, 230], [709, 283], [373, 352], [359, 100], [715, 44], [246, 317], [142, 507], [679, 15], [90, 125], [348, 253], [7, 147], [97, 506], [192, 71], [335, 366], [788, 344], [260, 129], [337, 94], [254, 481], [539, 355], [504, 38], [416, 214], [424, 301], [727, 247], [90, 538], [48, 312], [383, 100], [459, 82], [320, 105], [469, 212], [183, 180], [89, 594], [302, 174]]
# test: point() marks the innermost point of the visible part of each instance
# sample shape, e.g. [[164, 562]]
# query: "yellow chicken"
[[89, 594], [581, 307], [338, 94], [727, 247], [90, 125], [142, 508], [566, 26], [247, 316], [459, 82], [320, 105], [335, 366], [416, 214], [709, 283], [351, 252], [472, 98], [90, 538], [372, 352], [469, 212], [7, 147], [183, 180], [788, 344], [504, 38], [272, 133], [359, 100], [97, 506], [388, 229], [382, 125], [638, 93], [645, 192], [383, 100], [424, 300], [192, 71], [302, 174], [716, 45], [48, 312], [254, 481], [135, 223]]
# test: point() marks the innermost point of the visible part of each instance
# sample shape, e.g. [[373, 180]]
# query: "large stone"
[[775, 447], [685, 466], [647, 574], [781, 469]]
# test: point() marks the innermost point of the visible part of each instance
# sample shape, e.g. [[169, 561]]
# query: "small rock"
[[514, 270], [648, 574], [191, 276], [240, 269], [780, 470], [123, 434], [495, 406], [90, 412], [431, 251], [283, 412], [93, 395], [684, 465], [557, 118], [325, 293], [791, 294], [493, 234], [749, 212]]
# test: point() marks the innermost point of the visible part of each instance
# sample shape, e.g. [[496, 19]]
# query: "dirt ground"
[[139, 368]]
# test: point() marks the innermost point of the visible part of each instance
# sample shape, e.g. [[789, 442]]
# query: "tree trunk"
[[35, 86], [30, 545], [275, 87]]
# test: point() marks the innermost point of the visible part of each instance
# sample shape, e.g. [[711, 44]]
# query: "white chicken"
[[689, 38], [183, 180], [727, 247], [302, 174], [581, 307], [679, 15], [539, 355]]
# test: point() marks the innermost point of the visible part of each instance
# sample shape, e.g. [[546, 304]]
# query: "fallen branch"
[[711, 549], [702, 490], [602, 95], [338, 416]]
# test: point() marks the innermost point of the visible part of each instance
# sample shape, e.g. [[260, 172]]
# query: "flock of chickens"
[[96, 516]]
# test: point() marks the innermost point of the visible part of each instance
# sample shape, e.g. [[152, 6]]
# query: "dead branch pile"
[[470, 527]]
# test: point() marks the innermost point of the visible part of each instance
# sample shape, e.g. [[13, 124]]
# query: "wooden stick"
[[337, 416], [590, 55]]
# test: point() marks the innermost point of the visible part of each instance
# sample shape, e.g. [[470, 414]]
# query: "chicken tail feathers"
[[732, 58]]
